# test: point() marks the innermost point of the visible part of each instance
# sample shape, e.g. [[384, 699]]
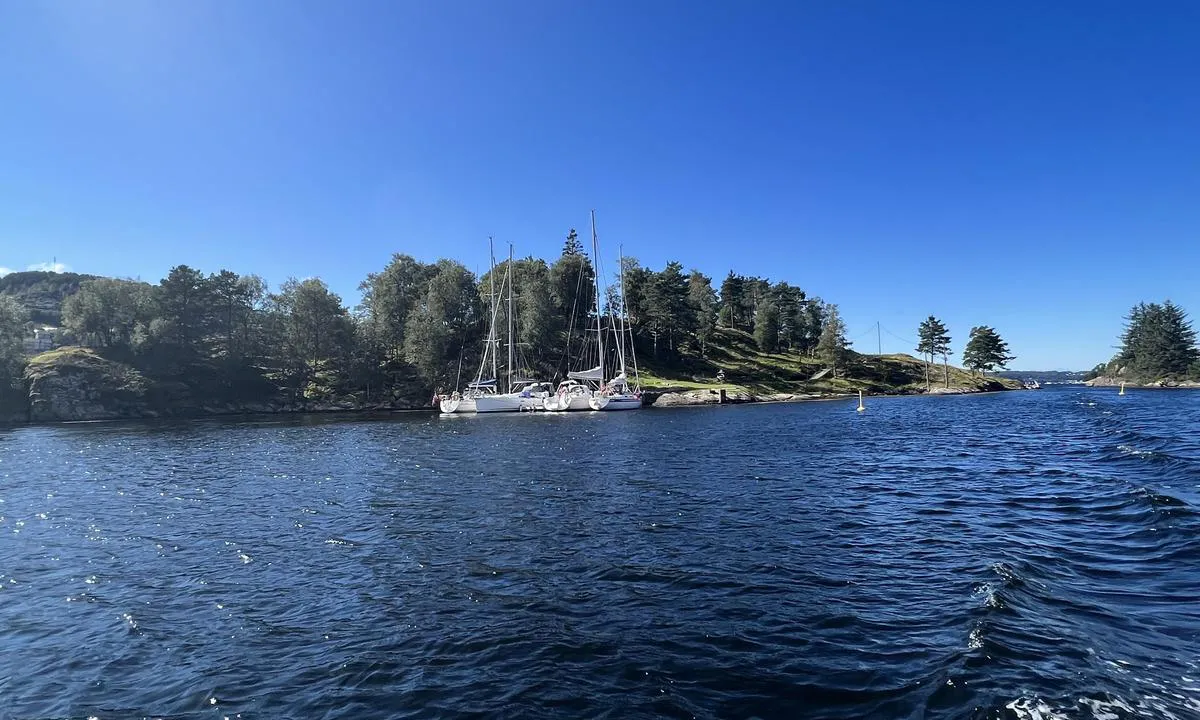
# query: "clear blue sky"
[[1031, 166]]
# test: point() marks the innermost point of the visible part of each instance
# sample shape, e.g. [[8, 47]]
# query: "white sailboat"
[[523, 394], [618, 393], [573, 393], [577, 391], [467, 400]]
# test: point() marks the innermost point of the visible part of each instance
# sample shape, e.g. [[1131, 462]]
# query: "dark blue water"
[[1016, 555]]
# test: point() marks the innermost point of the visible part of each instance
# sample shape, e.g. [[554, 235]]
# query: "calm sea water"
[[1015, 555]]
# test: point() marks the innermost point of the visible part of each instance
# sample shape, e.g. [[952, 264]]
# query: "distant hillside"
[[745, 367], [42, 293]]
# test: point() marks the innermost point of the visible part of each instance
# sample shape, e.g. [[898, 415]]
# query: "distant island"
[[1158, 349], [79, 347]]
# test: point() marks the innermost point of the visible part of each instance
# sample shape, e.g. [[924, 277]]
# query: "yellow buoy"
[[1122, 389], [861, 407]]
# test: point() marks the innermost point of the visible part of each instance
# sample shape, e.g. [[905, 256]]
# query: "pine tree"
[[933, 340], [572, 246], [766, 328], [1158, 342], [985, 350], [702, 301], [733, 289], [833, 346]]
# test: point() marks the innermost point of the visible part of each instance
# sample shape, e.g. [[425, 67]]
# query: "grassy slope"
[[748, 369]]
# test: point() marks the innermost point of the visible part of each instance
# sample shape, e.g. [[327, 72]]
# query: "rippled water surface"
[[1013, 555]]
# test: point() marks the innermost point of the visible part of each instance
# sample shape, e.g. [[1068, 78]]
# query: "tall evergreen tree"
[[1159, 342], [985, 350], [702, 300], [833, 347], [186, 309], [732, 299], [932, 340], [790, 302], [766, 327], [667, 306], [572, 245], [235, 299], [813, 319], [756, 291]]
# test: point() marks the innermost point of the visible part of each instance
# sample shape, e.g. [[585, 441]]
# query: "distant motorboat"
[[1032, 385]]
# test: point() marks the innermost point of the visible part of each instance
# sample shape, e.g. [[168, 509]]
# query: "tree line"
[[420, 326]]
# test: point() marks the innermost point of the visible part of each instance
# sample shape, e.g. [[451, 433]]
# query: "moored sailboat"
[[523, 394], [578, 390], [618, 393], [467, 400]]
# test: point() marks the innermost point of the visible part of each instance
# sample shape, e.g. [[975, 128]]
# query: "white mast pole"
[[492, 292], [510, 317], [624, 308], [596, 272]]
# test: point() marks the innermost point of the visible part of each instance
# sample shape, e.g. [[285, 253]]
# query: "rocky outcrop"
[[73, 384], [678, 398], [78, 384]]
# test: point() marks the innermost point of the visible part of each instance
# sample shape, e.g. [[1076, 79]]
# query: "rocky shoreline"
[[716, 396], [77, 384], [1111, 381]]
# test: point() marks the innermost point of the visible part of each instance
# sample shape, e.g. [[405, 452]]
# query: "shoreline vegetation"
[[77, 347], [1158, 350]]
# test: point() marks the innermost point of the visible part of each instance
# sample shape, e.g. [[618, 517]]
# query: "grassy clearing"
[[748, 369]]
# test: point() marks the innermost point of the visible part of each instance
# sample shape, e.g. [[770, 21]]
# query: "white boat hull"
[[457, 406], [565, 403], [616, 402], [498, 403]]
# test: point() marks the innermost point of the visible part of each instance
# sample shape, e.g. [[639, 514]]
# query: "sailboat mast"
[[596, 272], [621, 332], [492, 292], [511, 339]]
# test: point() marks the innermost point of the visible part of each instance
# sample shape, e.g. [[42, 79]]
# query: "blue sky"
[[1031, 166]]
